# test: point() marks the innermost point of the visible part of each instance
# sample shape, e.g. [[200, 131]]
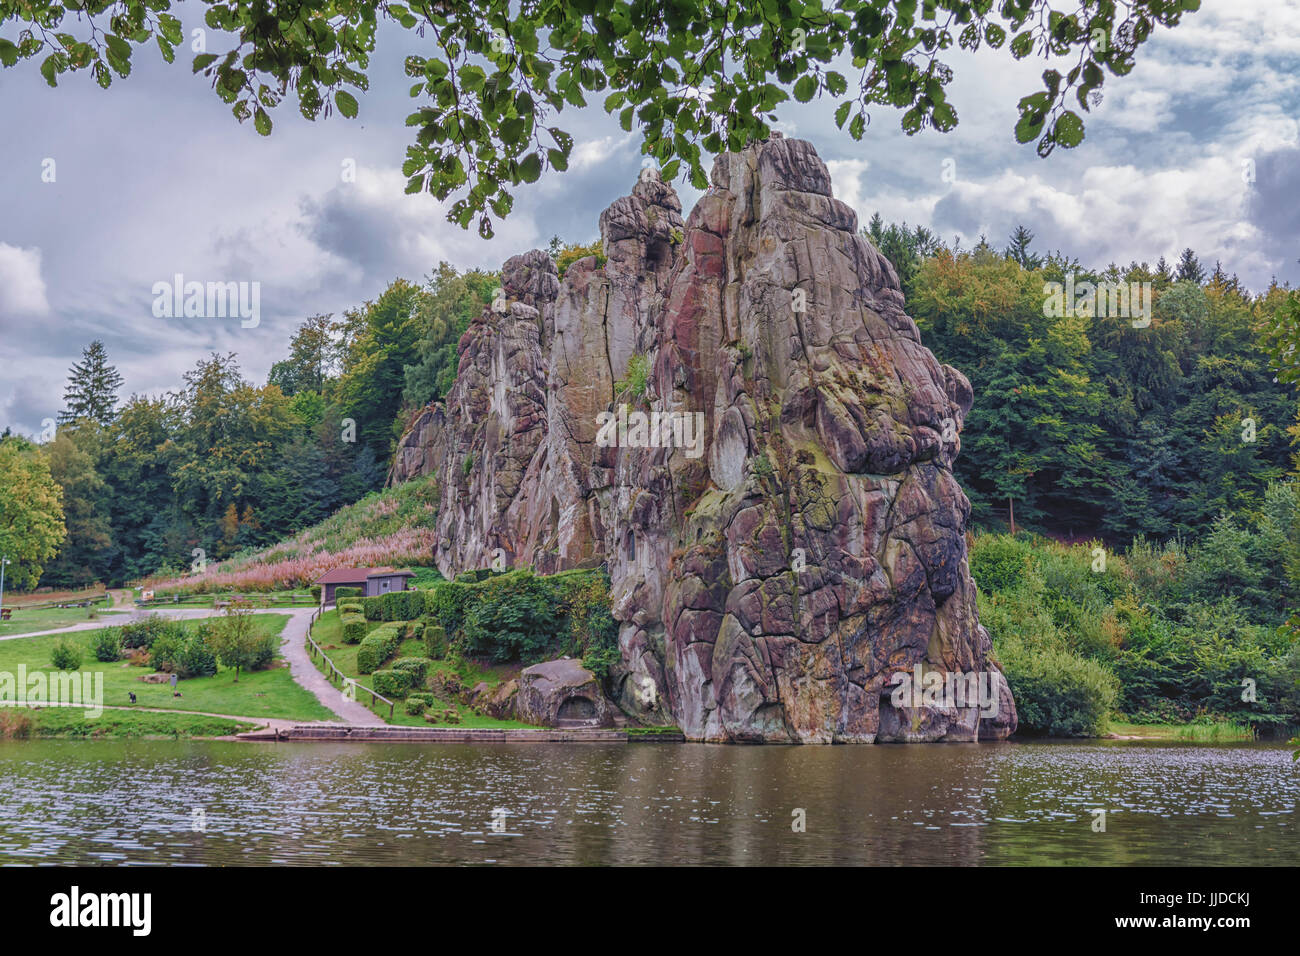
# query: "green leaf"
[[203, 60], [50, 69], [347, 103], [512, 131], [842, 113], [530, 168], [262, 122], [805, 87], [1069, 129], [557, 159]]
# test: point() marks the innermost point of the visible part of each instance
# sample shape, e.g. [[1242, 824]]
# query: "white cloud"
[[846, 182], [22, 290]]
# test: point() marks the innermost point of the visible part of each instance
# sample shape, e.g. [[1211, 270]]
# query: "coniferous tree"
[[1190, 268], [92, 387], [1018, 250]]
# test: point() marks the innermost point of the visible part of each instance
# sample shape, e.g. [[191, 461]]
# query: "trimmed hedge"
[[354, 627], [352, 605], [391, 683], [377, 646], [343, 592], [394, 606], [435, 642], [315, 593], [429, 699], [418, 666], [415, 706]]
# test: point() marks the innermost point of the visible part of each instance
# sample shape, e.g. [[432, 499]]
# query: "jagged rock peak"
[[772, 491]]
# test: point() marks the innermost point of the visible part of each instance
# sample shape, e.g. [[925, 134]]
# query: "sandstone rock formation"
[[772, 577], [561, 692]]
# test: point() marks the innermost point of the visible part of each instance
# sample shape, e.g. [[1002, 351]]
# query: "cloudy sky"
[[154, 177]]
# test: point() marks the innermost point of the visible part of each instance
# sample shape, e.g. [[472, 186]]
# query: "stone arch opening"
[[577, 708]]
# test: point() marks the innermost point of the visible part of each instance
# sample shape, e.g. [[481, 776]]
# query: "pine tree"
[[1018, 250], [1189, 268], [92, 387]]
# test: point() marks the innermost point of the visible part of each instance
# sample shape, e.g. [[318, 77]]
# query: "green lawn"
[[21, 723], [327, 634], [45, 619], [269, 693]]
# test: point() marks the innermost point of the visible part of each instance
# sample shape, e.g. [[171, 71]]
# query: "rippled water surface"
[[350, 803]]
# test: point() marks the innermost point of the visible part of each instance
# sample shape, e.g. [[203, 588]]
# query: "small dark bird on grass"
[[131, 694]]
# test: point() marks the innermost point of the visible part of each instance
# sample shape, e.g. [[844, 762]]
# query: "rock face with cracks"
[[737, 417]]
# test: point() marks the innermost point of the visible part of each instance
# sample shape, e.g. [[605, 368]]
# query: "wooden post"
[[1011, 507]]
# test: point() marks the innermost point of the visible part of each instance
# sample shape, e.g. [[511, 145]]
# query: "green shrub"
[[1058, 693], [352, 605], [519, 616], [344, 592], [406, 605], [391, 683], [415, 706], [435, 642], [353, 627], [107, 644], [415, 631], [373, 608], [186, 653], [429, 699], [199, 660], [65, 656], [315, 593], [998, 562], [418, 666], [142, 633], [376, 648]]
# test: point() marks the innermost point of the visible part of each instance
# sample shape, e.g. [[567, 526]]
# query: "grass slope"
[[389, 527]]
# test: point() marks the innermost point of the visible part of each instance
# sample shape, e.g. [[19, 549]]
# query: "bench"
[[5, 612]]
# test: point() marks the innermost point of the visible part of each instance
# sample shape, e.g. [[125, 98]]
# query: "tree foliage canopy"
[[693, 76]]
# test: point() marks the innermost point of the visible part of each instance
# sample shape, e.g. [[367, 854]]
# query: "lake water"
[[112, 802]]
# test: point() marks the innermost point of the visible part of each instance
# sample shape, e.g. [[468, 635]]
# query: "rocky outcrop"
[[736, 415], [561, 692]]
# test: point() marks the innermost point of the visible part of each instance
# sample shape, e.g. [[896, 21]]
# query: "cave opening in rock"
[[577, 708]]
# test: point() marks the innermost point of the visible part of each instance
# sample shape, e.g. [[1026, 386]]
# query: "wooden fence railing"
[[333, 671]]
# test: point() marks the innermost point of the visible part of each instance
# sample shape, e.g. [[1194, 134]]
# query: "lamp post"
[[3, 562]]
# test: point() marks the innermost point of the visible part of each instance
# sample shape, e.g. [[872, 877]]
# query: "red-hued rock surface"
[[771, 580]]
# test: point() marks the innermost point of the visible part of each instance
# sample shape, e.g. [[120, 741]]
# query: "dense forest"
[[1084, 426]]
